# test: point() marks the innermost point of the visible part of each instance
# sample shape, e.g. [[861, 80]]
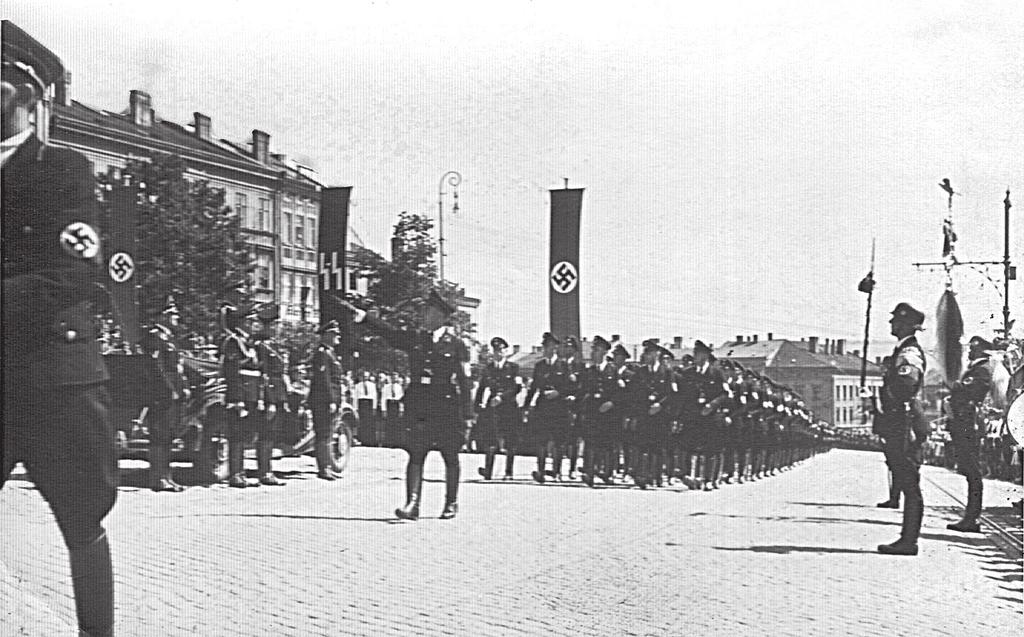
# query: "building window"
[[287, 227], [264, 271], [353, 279], [300, 237], [242, 208], [294, 288], [264, 214], [312, 232]]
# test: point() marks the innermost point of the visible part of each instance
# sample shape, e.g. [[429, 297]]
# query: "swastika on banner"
[[121, 267], [564, 277]]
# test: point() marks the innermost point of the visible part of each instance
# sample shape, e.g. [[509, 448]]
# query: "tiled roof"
[[780, 353]]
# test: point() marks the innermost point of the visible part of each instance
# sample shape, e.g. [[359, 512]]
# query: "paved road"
[[789, 555]]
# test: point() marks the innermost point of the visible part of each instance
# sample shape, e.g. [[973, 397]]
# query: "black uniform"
[[966, 397], [654, 389], [902, 425], [243, 379], [324, 390], [438, 401], [165, 386], [56, 406], [549, 418], [274, 361], [502, 422]]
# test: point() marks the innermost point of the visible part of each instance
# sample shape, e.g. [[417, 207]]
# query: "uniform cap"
[[572, 342], [664, 354], [907, 311], [600, 342], [619, 350], [977, 341], [23, 53], [701, 346], [549, 339], [650, 344], [497, 342]]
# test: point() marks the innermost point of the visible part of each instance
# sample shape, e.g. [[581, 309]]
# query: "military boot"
[[93, 582], [236, 465], [510, 461], [969, 523], [413, 491], [264, 454], [159, 467], [324, 464], [894, 498], [451, 492], [487, 470]]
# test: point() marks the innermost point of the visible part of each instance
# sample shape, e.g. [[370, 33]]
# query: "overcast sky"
[[738, 157]]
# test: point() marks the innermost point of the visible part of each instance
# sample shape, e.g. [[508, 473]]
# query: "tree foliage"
[[189, 242]]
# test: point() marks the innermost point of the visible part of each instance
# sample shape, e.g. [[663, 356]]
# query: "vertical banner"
[[564, 264], [122, 272], [331, 249]]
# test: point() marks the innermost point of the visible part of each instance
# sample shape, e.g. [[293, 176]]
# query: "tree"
[[189, 242]]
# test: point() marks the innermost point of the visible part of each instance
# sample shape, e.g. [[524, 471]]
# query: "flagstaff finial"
[[566, 180]]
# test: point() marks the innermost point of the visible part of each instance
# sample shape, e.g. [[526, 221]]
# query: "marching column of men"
[[705, 422]]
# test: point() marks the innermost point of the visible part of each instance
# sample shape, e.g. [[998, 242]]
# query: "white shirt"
[[10, 145]]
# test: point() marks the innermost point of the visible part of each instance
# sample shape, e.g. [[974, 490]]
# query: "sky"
[[738, 158]]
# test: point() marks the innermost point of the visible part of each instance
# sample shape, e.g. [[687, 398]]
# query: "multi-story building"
[[822, 372]]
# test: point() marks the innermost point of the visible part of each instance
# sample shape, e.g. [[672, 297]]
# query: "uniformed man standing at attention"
[[325, 396], [499, 412], [56, 409], [243, 391], [549, 418], [167, 389], [901, 418], [276, 385], [965, 398], [438, 401]]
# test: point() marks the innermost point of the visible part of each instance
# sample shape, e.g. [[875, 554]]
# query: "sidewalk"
[[793, 554]]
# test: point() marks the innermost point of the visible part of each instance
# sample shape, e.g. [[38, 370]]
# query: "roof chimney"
[[856, 353], [515, 349], [812, 344], [770, 335], [739, 338], [616, 337], [755, 338], [260, 146], [841, 346], [140, 107], [677, 342]]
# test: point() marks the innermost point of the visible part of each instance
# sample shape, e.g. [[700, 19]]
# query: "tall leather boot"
[[159, 467], [324, 466], [913, 512], [487, 470], [542, 460], [93, 582], [413, 491], [510, 461], [969, 523], [236, 464], [264, 455], [451, 492], [894, 496]]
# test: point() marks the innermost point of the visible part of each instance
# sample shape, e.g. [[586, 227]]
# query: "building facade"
[[821, 371]]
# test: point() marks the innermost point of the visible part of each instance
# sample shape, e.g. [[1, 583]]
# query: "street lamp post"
[[454, 179]]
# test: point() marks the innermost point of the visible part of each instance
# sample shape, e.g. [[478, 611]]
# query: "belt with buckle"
[[250, 372], [425, 380]]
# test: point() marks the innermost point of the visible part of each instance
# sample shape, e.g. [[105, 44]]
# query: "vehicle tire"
[[341, 442]]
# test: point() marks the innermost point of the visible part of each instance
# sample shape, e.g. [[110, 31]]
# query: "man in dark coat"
[[56, 407], [325, 396], [243, 395], [654, 389], [901, 419], [167, 389], [438, 401], [549, 418], [499, 412], [965, 399], [273, 359]]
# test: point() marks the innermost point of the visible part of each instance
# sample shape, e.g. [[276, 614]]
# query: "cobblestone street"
[[789, 555]]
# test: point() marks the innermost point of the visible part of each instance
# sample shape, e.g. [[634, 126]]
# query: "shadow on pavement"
[[834, 504], [786, 549], [291, 516], [792, 518]]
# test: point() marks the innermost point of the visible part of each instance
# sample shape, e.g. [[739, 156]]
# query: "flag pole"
[[867, 285]]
